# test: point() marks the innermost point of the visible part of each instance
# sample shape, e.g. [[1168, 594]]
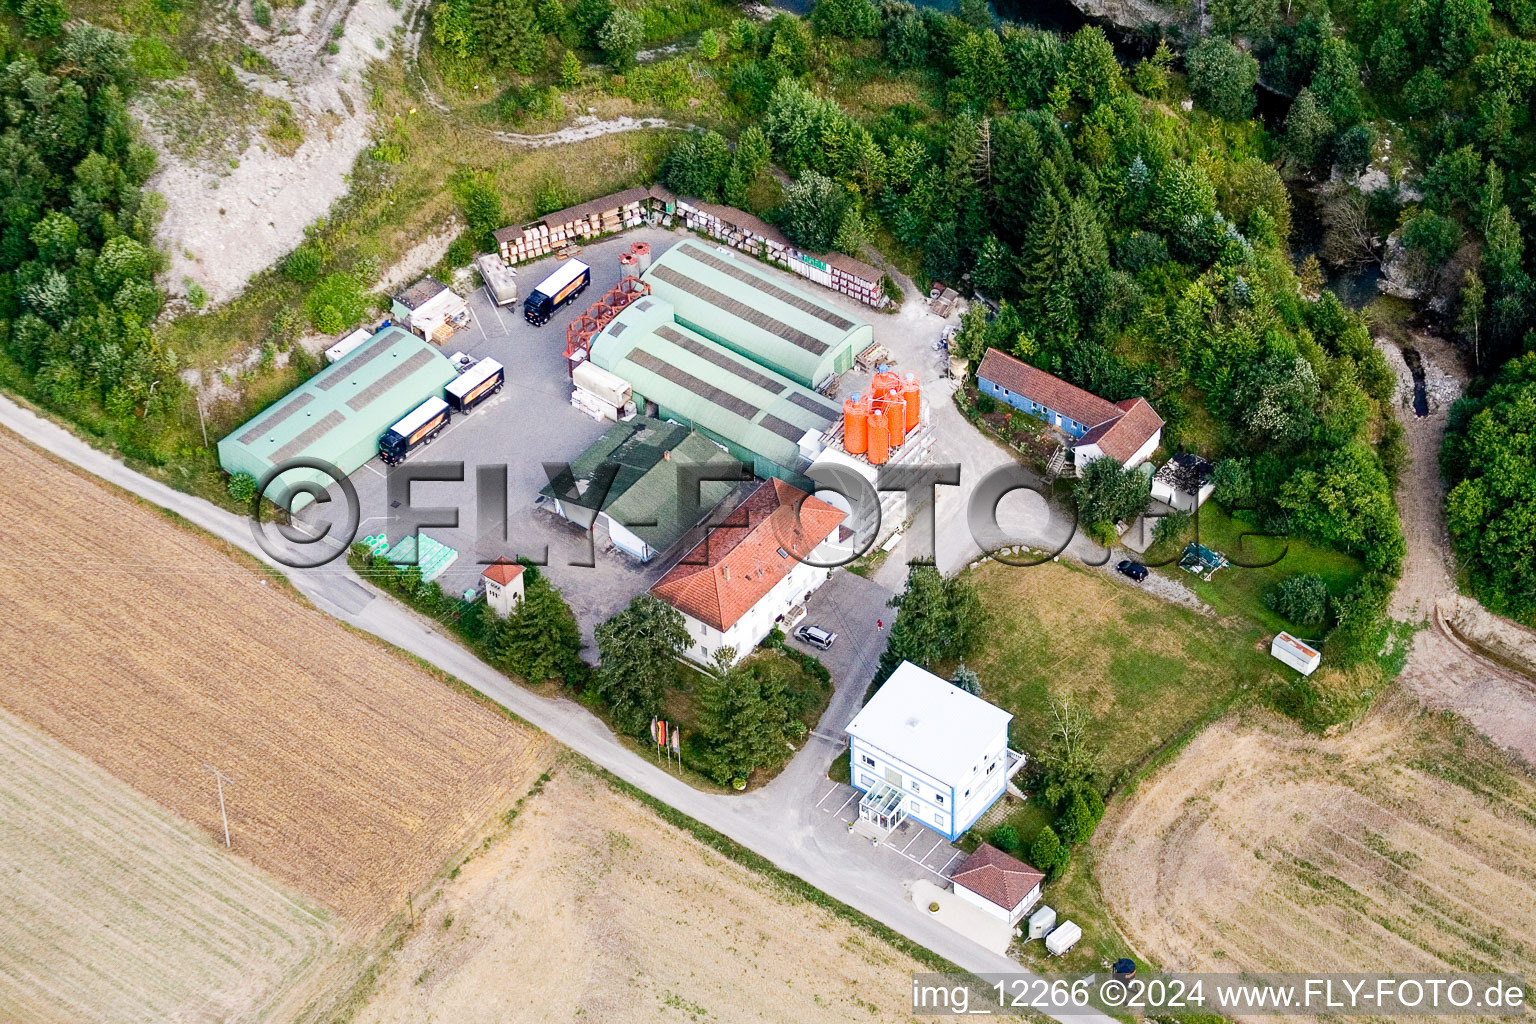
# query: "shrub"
[[261, 13], [336, 304], [1047, 853], [1004, 837], [242, 487], [303, 264], [620, 38], [1303, 599]]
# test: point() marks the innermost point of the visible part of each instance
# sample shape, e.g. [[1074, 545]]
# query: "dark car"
[[1135, 570], [816, 637]]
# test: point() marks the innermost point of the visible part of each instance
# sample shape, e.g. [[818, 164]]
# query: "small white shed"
[[1041, 922], [1295, 653], [347, 344], [1062, 938]]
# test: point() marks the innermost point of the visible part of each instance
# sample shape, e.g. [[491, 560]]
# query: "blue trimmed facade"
[[1065, 424], [927, 801]]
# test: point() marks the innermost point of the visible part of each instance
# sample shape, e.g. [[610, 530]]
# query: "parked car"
[[817, 637], [1135, 570]]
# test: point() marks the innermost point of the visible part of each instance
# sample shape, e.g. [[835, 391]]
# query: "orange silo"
[[912, 393], [883, 384], [895, 409], [856, 425], [879, 440]]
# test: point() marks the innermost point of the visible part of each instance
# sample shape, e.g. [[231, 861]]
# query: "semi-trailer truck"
[[478, 382], [569, 280], [415, 429]]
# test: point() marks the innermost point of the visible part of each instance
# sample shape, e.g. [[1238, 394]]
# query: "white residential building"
[[752, 570], [923, 748]]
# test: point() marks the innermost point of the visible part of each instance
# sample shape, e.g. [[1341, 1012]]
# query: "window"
[[967, 792], [912, 785], [867, 781], [939, 798], [991, 767], [938, 819], [867, 760]]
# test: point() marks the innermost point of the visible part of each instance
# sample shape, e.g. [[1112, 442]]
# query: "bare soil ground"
[[354, 775], [1498, 699], [607, 913], [1407, 843], [232, 210], [116, 910]]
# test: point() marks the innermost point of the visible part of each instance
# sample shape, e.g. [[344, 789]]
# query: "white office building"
[[923, 748]]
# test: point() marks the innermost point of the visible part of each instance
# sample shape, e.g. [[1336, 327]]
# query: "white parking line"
[[498, 318], [846, 803], [828, 793], [945, 869]]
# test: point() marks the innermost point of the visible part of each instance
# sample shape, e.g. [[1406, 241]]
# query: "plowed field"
[[353, 774], [1408, 844]]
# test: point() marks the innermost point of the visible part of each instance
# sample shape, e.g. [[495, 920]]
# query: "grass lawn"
[[1145, 670], [1239, 591]]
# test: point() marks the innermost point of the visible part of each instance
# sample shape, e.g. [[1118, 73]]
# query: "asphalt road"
[[777, 822]]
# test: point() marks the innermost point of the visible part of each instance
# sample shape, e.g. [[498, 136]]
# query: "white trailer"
[[1299, 655], [347, 344], [1041, 922], [1062, 938]]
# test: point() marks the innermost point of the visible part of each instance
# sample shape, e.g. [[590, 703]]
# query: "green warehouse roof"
[[338, 414], [648, 487], [635, 446], [748, 309], [661, 497], [757, 413]]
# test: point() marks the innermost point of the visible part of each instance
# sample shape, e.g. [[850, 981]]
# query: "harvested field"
[[353, 775], [1407, 844], [610, 914], [116, 910]]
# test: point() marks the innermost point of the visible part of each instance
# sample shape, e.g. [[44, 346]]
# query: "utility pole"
[[220, 776]]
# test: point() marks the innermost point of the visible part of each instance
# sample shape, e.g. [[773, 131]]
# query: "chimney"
[[725, 572], [667, 455]]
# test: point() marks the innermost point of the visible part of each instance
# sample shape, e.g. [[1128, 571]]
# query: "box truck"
[[569, 280], [478, 382], [417, 428]]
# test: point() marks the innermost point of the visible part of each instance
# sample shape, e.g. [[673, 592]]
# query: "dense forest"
[[78, 296]]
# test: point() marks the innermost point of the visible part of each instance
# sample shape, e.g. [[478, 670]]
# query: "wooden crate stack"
[[546, 236]]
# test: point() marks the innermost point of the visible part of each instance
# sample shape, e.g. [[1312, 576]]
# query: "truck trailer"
[[478, 382], [500, 279], [569, 280], [417, 428]]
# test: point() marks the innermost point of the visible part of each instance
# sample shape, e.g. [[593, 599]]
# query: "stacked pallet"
[[606, 216]]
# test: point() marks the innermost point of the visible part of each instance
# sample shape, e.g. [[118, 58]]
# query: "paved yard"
[[909, 852], [530, 423]]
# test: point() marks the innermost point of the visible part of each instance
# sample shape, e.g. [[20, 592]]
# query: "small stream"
[[1416, 367], [1354, 287]]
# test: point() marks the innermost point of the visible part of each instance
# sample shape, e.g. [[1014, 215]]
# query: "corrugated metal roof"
[[338, 414], [695, 379], [659, 507], [635, 446], [735, 302]]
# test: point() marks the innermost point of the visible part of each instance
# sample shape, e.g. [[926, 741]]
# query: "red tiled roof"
[[746, 556], [1124, 436], [993, 875], [502, 572], [1118, 428]]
